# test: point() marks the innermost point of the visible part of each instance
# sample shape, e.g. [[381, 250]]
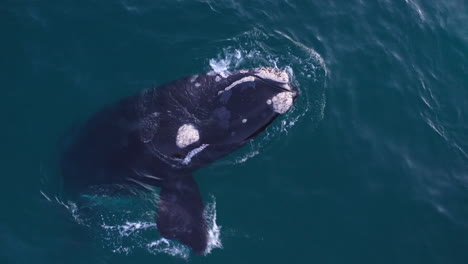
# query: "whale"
[[160, 136]]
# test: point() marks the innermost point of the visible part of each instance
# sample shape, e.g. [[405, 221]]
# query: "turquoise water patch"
[[369, 166]]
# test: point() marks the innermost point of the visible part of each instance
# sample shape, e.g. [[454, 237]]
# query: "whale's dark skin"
[[139, 140]]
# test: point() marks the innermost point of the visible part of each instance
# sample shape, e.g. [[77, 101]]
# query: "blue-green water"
[[369, 167]]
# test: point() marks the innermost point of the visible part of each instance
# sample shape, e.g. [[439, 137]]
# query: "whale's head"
[[218, 113], [245, 107]]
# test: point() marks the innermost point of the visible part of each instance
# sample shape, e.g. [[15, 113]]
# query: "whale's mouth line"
[[282, 89], [261, 129]]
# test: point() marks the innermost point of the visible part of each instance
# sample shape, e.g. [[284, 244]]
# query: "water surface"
[[369, 167]]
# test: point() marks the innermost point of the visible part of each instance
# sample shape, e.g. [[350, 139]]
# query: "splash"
[[129, 228], [123, 224], [214, 231], [168, 247], [223, 64]]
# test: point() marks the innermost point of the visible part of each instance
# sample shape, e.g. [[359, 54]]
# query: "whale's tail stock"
[[180, 213]]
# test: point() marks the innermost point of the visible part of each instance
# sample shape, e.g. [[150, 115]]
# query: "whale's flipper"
[[180, 213]]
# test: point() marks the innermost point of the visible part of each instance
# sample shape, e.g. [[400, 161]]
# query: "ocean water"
[[370, 166]]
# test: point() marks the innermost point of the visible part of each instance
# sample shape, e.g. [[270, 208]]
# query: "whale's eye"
[[176, 156]]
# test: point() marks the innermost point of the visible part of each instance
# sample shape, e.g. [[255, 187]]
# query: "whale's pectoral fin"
[[180, 213]]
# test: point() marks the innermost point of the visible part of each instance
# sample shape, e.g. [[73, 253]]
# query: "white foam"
[[129, 228], [246, 157], [229, 61], [168, 247], [220, 67], [123, 226], [73, 209], [214, 231], [122, 250]]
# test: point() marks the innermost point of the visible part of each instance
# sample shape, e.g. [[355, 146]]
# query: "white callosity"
[[186, 135], [281, 102], [268, 73], [243, 80], [192, 153], [274, 74]]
